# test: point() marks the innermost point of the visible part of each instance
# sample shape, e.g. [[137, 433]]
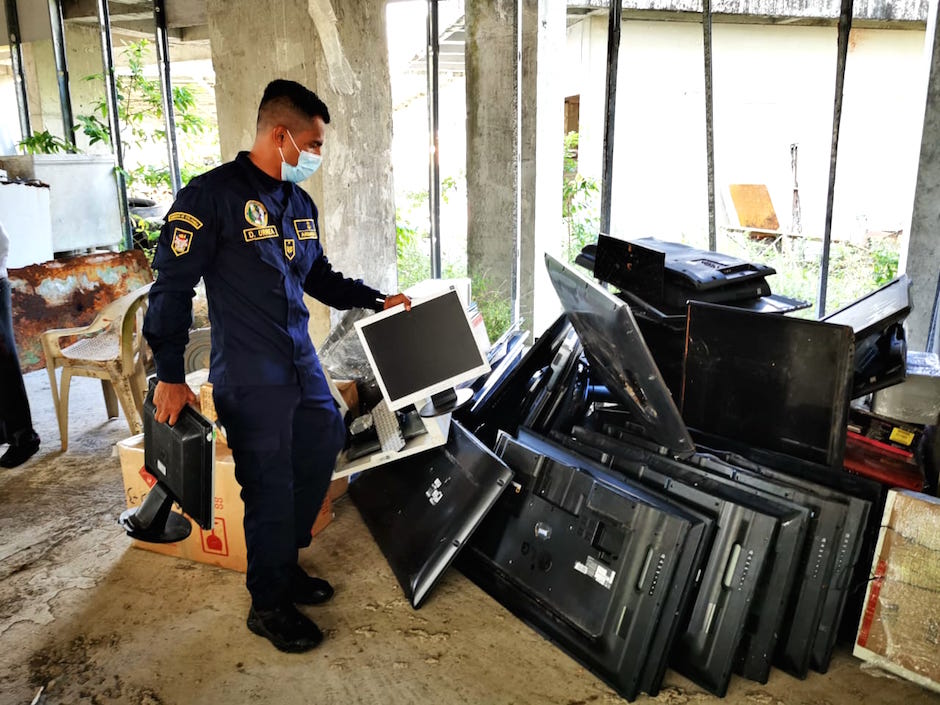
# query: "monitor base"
[[153, 521], [446, 402]]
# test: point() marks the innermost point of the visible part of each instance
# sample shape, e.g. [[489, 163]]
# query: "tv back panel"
[[422, 510], [853, 486], [423, 352], [586, 560], [874, 312], [619, 356], [771, 530], [182, 459], [783, 383], [693, 562], [182, 456], [848, 549], [818, 560]]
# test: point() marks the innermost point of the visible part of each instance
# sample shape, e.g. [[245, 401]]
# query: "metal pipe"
[[57, 24], [16, 57], [845, 28], [107, 59], [166, 90], [434, 164], [709, 123], [610, 106]]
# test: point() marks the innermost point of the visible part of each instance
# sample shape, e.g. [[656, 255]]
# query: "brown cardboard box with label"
[[224, 545]]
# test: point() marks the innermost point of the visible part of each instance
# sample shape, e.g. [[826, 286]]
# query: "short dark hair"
[[285, 99]]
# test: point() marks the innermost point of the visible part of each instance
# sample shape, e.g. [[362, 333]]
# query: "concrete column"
[[83, 47], [542, 164], [346, 64], [922, 258], [492, 190], [42, 87]]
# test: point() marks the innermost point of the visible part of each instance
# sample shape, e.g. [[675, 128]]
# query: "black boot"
[[307, 590], [19, 453], [286, 628]]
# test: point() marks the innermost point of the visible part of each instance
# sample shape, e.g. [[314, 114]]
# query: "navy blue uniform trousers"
[[284, 443]]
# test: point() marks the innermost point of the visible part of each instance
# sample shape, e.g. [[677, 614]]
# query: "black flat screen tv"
[[772, 382]]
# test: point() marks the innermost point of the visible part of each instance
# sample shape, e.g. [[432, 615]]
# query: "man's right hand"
[[170, 398]]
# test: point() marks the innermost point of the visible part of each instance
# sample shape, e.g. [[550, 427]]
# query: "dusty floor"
[[87, 619]]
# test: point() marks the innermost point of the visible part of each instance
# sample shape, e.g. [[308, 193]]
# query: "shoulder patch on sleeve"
[[186, 218], [182, 239]]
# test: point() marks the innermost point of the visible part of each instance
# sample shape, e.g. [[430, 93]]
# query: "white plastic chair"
[[111, 348]]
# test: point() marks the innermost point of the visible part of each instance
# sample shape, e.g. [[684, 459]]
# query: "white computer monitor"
[[424, 353]]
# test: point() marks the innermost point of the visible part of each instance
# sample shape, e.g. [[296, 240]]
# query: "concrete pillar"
[[42, 87], [346, 64], [492, 190], [922, 258], [542, 164], [83, 48]]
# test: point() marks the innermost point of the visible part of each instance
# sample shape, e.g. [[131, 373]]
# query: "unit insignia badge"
[[256, 213], [289, 248], [182, 239]]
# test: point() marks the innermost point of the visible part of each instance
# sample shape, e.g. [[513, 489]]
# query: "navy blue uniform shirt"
[[255, 241]]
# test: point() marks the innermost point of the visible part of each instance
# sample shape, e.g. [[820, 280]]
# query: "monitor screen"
[[772, 382], [419, 353]]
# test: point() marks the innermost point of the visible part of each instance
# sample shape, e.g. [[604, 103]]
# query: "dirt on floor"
[[87, 619]]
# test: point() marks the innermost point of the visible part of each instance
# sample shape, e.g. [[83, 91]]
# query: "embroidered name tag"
[[306, 229], [186, 218], [252, 234]]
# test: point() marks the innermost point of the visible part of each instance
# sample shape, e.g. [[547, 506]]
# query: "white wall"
[[773, 85]]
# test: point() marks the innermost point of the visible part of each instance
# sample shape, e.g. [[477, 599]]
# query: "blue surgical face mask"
[[307, 164]]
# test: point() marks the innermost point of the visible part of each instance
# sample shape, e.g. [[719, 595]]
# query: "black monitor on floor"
[[182, 459], [423, 353]]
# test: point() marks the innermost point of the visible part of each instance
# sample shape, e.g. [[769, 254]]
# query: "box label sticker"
[[215, 541], [899, 435], [147, 477]]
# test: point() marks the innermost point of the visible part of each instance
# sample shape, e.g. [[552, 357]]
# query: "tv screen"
[[772, 382]]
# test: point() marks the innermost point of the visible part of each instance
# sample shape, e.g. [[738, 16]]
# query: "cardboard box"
[[900, 626], [224, 545]]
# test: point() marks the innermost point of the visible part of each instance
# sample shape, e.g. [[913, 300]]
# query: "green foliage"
[[146, 234], [580, 202], [45, 143], [494, 306], [140, 115], [414, 259], [854, 270]]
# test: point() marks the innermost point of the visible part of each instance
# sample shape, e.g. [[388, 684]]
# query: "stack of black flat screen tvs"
[[721, 540]]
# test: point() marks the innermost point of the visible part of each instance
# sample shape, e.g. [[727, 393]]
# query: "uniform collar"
[[263, 180]]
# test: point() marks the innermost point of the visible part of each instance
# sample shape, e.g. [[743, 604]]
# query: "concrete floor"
[[85, 618]]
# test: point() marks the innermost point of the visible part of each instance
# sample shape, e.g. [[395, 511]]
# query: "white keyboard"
[[387, 428]]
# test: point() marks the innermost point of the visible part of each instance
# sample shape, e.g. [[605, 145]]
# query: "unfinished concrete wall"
[[922, 258], [491, 142], [346, 64]]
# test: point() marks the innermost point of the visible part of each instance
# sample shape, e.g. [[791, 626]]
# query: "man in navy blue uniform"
[[252, 234]]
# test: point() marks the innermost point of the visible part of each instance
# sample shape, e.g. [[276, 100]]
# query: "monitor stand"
[[447, 401], [153, 521]]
